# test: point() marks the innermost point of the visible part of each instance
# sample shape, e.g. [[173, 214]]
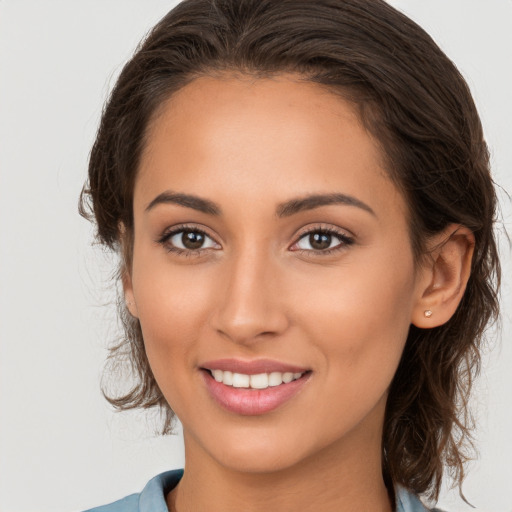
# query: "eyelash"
[[345, 240], [167, 235]]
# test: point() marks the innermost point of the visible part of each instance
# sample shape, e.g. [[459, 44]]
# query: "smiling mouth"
[[252, 394], [256, 381]]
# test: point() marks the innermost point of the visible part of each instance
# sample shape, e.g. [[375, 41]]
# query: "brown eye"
[[323, 241], [190, 240], [320, 241]]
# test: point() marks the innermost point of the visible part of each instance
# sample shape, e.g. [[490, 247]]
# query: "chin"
[[256, 452], [258, 463]]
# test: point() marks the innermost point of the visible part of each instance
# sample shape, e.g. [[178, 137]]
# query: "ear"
[[443, 276], [129, 298]]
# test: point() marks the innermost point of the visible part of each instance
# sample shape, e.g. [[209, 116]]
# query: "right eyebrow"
[[186, 200], [316, 200]]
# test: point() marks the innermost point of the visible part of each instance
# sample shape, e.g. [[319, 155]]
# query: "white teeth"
[[240, 380], [275, 379], [287, 377], [227, 378], [258, 381]]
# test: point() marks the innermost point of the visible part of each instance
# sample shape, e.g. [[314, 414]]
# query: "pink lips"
[[247, 401]]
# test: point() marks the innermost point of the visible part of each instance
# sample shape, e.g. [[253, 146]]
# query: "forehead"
[[219, 135]]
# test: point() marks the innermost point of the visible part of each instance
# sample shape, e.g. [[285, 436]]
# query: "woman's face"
[[270, 245]]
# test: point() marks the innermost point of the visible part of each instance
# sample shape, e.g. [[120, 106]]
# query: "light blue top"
[[152, 498]]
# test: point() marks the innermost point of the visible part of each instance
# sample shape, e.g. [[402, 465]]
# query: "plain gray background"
[[61, 447]]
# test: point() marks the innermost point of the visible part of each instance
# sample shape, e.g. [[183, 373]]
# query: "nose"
[[250, 306]]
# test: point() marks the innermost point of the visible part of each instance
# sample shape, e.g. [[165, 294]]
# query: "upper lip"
[[252, 367]]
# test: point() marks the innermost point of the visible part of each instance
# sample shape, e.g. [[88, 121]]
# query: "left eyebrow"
[[186, 200], [316, 200]]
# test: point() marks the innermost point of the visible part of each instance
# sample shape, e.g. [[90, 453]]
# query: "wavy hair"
[[413, 101]]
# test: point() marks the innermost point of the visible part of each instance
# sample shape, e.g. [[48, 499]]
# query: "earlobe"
[[443, 276]]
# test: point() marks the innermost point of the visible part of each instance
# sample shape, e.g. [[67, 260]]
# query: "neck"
[[343, 477]]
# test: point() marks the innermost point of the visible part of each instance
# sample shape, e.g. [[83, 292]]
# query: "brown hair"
[[413, 100]]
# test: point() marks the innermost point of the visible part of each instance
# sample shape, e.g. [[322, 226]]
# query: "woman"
[[301, 196]]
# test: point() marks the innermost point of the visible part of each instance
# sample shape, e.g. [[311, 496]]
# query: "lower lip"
[[252, 402]]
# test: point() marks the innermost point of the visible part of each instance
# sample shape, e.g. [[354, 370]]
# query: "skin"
[[258, 289]]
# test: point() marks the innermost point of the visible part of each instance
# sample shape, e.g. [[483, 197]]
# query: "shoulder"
[[151, 499], [406, 501], [127, 504]]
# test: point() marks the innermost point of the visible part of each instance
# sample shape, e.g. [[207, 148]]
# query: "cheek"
[[358, 317], [359, 329], [173, 306]]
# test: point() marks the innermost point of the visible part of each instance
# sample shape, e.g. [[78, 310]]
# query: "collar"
[[152, 498]]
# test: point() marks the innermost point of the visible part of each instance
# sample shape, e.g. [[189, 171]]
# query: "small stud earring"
[[428, 313]]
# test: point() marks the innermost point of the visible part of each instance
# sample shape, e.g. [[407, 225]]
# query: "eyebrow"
[[187, 200], [285, 209], [316, 200]]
